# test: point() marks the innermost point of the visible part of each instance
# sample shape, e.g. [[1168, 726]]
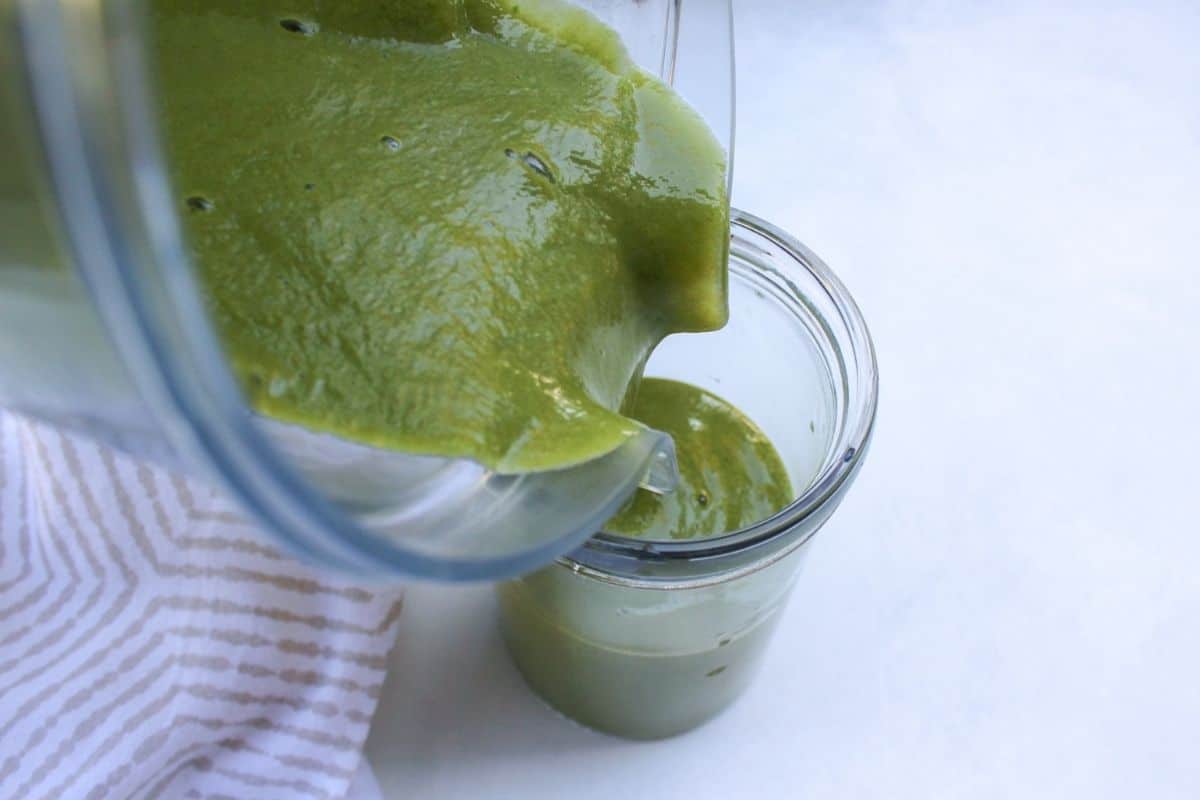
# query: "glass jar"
[[648, 639], [103, 329]]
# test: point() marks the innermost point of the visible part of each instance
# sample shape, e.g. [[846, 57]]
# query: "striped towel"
[[154, 644]]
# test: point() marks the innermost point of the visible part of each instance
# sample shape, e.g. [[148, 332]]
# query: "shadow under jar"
[[648, 639]]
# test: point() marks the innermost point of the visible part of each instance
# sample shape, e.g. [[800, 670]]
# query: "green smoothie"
[[649, 663], [729, 473], [449, 227]]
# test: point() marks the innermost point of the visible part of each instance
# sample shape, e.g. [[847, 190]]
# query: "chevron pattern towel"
[[154, 644]]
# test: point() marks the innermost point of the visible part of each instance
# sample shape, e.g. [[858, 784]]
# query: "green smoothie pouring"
[[454, 228], [730, 474]]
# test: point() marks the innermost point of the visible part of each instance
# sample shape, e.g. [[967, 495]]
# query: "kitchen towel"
[[153, 643]]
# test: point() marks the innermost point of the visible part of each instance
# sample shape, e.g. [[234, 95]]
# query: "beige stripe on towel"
[[154, 643]]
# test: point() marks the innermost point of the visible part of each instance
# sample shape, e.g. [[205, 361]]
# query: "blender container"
[[103, 331]]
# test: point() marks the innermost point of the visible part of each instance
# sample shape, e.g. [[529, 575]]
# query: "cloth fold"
[[153, 643]]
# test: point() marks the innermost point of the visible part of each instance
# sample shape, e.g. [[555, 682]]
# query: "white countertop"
[[1006, 605]]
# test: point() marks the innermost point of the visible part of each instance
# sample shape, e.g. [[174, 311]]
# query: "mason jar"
[[648, 639]]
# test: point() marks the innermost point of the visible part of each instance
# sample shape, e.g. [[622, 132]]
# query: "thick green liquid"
[[730, 475], [647, 663], [449, 227]]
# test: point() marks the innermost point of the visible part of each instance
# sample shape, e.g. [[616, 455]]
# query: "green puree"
[[445, 227], [730, 475]]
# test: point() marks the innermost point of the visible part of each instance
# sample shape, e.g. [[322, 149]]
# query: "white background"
[[1007, 604]]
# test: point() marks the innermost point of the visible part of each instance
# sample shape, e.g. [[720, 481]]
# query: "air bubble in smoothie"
[[298, 26]]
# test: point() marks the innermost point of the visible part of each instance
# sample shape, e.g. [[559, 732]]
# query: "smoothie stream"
[[730, 475]]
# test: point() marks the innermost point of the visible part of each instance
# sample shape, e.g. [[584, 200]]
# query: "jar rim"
[[656, 563]]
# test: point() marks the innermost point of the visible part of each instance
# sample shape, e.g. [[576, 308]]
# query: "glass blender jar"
[[103, 331]]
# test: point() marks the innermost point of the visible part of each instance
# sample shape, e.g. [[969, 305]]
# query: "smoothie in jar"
[[645, 635], [646, 663]]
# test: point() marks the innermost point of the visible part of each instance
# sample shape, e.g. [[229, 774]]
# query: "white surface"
[[364, 786], [1006, 606]]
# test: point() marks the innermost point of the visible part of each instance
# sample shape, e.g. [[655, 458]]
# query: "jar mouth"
[[830, 314]]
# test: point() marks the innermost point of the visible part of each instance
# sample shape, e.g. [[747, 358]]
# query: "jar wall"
[[642, 663]]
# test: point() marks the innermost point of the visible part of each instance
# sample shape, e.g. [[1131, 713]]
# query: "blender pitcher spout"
[[662, 474]]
